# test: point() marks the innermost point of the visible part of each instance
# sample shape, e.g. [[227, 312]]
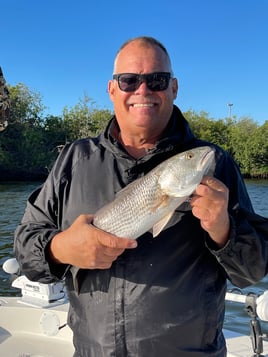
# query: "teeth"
[[143, 105]]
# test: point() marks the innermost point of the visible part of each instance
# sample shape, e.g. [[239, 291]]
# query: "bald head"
[[146, 42]]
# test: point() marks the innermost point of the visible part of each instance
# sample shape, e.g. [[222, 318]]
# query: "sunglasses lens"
[[129, 82], [158, 81]]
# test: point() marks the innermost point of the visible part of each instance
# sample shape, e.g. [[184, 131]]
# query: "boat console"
[[35, 293], [35, 322]]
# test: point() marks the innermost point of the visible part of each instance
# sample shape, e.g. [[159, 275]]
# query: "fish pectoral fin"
[[163, 201], [160, 225], [74, 270]]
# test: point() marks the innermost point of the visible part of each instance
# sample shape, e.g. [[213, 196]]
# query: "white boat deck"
[[240, 346], [27, 331], [32, 326], [34, 332]]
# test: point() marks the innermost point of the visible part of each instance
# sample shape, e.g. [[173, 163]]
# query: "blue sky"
[[64, 49]]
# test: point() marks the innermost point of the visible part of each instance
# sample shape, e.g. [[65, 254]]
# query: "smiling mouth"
[[144, 105]]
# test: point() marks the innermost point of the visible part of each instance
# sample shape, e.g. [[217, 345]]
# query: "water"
[[236, 318], [13, 198]]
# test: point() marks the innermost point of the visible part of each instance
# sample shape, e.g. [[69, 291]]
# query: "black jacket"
[[164, 298]]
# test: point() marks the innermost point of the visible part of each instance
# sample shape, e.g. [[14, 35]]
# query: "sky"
[[65, 50]]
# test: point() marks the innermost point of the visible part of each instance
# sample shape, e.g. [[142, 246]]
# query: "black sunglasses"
[[129, 82]]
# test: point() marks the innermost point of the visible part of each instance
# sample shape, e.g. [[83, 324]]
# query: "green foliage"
[[84, 119], [208, 129], [25, 149], [30, 144], [243, 139], [26, 106], [259, 151]]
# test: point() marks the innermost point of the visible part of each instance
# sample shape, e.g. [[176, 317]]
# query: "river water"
[[13, 198]]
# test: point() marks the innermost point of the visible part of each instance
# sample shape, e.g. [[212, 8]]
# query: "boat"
[[34, 324], [256, 344]]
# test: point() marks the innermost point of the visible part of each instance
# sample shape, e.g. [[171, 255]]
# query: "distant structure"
[[4, 102], [230, 110]]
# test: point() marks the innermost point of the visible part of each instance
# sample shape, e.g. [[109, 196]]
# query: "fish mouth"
[[208, 161]]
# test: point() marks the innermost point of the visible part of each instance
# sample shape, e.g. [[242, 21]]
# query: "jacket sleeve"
[[245, 256], [39, 225]]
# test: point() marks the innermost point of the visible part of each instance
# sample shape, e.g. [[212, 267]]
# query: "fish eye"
[[190, 155]]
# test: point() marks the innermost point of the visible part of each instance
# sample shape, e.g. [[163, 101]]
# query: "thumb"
[[213, 183]]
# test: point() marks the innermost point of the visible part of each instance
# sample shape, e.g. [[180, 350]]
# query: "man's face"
[[142, 111]]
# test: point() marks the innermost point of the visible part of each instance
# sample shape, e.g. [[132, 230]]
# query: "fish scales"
[[124, 215], [149, 202]]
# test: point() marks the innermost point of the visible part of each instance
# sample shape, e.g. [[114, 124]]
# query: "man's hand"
[[86, 246], [210, 205]]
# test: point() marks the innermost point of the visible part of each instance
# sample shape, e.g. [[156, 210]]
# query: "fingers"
[[210, 205], [211, 195], [108, 248], [86, 246], [210, 186], [113, 242]]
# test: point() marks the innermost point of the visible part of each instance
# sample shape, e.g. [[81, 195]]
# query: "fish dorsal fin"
[[160, 225]]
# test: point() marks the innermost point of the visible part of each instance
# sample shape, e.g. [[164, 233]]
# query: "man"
[[150, 297]]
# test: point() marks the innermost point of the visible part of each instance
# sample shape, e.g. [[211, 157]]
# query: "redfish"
[[148, 203]]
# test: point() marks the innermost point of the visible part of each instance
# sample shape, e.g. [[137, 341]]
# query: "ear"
[[175, 87], [111, 89]]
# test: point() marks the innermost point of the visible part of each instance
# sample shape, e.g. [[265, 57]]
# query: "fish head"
[[185, 171]]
